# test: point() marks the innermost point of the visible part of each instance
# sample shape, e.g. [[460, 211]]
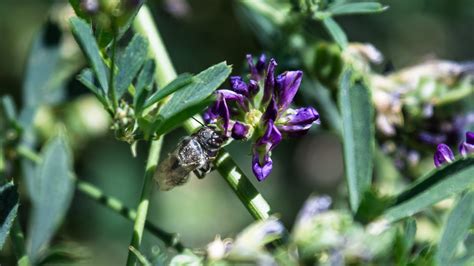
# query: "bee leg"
[[202, 171], [199, 174]]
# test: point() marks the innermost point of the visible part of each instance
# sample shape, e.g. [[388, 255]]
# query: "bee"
[[194, 153]]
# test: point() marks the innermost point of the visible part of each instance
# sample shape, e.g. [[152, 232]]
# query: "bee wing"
[[170, 173]]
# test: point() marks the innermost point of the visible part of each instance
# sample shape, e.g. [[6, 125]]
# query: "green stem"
[[18, 241], [240, 184], [89, 190], [142, 210], [114, 204]]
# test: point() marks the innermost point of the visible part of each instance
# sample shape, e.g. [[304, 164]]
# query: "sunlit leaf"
[[129, 63], [83, 34], [179, 83], [356, 109], [435, 186], [8, 210], [52, 194], [191, 99], [355, 8]]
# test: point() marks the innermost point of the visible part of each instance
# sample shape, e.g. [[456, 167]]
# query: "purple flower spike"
[[467, 147], [261, 64], [269, 81], [443, 155], [239, 131], [287, 84], [298, 122], [261, 170], [238, 85]]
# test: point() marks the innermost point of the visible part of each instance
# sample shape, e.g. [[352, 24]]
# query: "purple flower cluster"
[[246, 111], [444, 154]]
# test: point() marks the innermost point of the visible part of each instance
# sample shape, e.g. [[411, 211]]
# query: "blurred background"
[[197, 35]]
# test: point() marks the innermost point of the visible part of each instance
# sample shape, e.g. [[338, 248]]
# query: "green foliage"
[[456, 229], [144, 84], [356, 110], [336, 32], [179, 83], [8, 210], [435, 186], [355, 8], [129, 63], [83, 34], [51, 192], [191, 99]]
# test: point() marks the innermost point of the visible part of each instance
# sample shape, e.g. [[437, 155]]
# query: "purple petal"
[[467, 147], [253, 69], [271, 138], [211, 114], [312, 207], [239, 86], [432, 139], [271, 112], [298, 122], [269, 81], [261, 64], [239, 131], [443, 154], [261, 170], [287, 84], [253, 87]]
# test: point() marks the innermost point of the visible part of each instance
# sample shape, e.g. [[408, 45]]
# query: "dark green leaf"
[[129, 63], [336, 32], [371, 206], [356, 109], [8, 107], [8, 210], [356, 8], [38, 86], [192, 99], [51, 195], [144, 84], [86, 77], [83, 34], [435, 186], [456, 228], [179, 83]]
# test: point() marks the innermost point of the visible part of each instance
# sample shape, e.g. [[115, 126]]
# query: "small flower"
[[247, 111], [467, 147], [443, 155]]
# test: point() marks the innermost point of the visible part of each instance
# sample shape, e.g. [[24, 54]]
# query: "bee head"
[[211, 137]]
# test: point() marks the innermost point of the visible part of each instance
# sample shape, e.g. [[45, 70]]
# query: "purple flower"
[[248, 111], [443, 155], [467, 147]]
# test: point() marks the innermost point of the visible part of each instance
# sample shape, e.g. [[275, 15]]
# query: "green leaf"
[[191, 99], [51, 194], [38, 86], [355, 8], [8, 210], [336, 32], [456, 228], [144, 84], [129, 63], [180, 82], [435, 186], [356, 109], [83, 34], [86, 77], [8, 107]]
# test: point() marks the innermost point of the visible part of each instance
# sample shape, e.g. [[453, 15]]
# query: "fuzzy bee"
[[194, 153]]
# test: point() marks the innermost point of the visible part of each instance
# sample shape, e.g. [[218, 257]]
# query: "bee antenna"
[[197, 120]]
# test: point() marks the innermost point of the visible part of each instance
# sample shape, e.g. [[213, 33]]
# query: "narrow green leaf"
[[336, 32], [129, 63], [52, 194], [39, 85], [356, 109], [456, 229], [8, 210], [435, 186], [144, 84], [83, 34], [8, 107], [192, 99], [179, 83], [86, 77], [355, 8]]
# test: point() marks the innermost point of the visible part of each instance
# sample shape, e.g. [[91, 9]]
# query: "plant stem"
[[142, 210], [18, 241], [92, 192], [240, 184], [114, 204]]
